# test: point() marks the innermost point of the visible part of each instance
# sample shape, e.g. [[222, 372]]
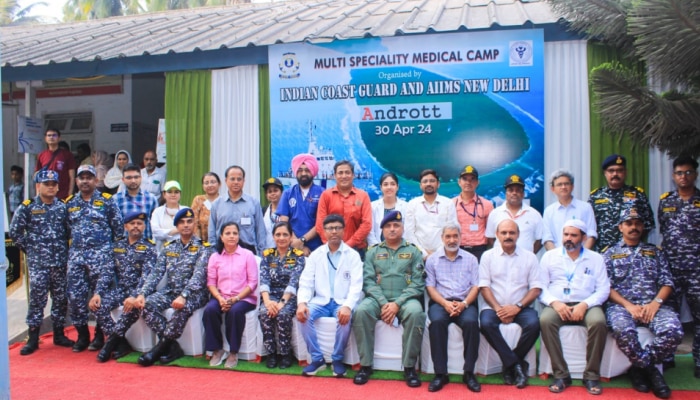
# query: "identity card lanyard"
[[569, 274], [473, 227]]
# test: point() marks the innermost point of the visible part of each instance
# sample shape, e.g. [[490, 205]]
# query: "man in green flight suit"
[[393, 286]]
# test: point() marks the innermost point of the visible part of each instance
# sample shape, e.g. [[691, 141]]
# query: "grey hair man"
[[561, 183]]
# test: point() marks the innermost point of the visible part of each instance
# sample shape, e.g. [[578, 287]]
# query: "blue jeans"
[[342, 332]]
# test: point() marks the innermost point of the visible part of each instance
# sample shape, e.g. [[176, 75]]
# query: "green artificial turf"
[[678, 378]]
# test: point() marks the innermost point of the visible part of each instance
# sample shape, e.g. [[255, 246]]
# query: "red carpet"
[[57, 373]]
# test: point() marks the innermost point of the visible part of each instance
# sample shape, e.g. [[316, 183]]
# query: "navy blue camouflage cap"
[[86, 168], [134, 215], [614, 159], [46, 175], [630, 213], [184, 213], [391, 216]]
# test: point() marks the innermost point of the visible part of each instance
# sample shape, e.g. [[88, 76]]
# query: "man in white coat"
[[329, 286]]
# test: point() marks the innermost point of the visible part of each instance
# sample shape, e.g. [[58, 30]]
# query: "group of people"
[[333, 253]]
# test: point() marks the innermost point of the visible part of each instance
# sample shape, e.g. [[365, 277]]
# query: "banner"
[[30, 135], [404, 104]]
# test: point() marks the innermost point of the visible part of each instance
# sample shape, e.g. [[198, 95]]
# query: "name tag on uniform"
[[141, 247], [193, 249], [246, 221], [650, 253], [34, 212], [74, 209], [631, 195], [602, 201], [668, 209], [118, 250], [171, 254], [616, 256]]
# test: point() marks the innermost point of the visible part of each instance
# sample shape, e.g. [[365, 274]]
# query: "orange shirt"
[[474, 212], [355, 208]]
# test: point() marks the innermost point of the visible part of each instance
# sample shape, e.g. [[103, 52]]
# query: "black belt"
[[479, 247]]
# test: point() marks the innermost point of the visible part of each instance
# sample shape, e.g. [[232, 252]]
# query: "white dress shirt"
[[585, 279], [424, 222], [509, 276], [555, 215], [528, 219]]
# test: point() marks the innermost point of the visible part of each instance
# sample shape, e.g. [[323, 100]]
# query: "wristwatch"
[[283, 300], [659, 300], [184, 295], [303, 239], [520, 305], [465, 303]]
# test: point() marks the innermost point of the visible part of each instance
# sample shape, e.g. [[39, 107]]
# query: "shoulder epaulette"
[[595, 190], [27, 202], [298, 252], [267, 252], [151, 241], [640, 190], [663, 196], [604, 249], [374, 245], [69, 198], [168, 243], [106, 195], [206, 244]]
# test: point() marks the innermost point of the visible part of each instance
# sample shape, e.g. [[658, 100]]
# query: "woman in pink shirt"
[[232, 277]]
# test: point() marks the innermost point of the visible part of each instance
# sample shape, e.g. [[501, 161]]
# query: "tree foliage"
[[665, 36], [11, 13]]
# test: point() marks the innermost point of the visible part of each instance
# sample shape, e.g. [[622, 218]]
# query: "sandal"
[[593, 386], [558, 385]]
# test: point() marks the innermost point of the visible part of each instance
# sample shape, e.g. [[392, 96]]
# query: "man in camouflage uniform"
[[393, 286], [640, 283], [183, 263], [95, 222], [134, 259], [40, 229], [608, 201], [679, 220]]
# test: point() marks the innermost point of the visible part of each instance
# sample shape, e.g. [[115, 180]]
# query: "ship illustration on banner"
[[326, 160]]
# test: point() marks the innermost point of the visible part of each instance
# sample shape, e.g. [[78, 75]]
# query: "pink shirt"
[[473, 214], [233, 272]]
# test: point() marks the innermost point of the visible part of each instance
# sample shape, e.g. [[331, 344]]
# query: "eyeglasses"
[[428, 181], [562, 184], [334, 228], [686, 173]]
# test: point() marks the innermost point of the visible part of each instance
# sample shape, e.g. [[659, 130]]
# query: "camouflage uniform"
[[637, 274], [608, 203], [279, 274], [95, 225], [184, 266], [132, 264], [391, 276], [41, 231], [679, 223]]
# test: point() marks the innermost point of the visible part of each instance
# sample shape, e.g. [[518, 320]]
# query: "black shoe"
[[639, 379], [520, 376], [98, 341], [271, 361], [438, 382], [106, 352], [658, 383], [697, 372], [362, 376], [32, 342], [174, 352], [60, 339], [469, 379], [411, 377], [668, 364], [150, 357], [83, 339], [508, 377], [123, 348], [286, 361]]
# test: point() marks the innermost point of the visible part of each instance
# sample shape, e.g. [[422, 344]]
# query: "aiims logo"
[[289, 66]]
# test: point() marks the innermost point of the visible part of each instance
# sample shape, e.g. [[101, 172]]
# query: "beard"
[[569, 245], [305, 180], [452, 248]]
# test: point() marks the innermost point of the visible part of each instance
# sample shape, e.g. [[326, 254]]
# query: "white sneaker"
[[232, 361], [218, 357]]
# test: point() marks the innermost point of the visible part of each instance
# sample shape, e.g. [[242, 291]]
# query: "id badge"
[[567, 293], [246, 221], [473, 227]]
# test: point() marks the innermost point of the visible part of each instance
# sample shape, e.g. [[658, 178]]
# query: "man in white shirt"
[[329, 286], [428, 214], [510, 280], [152, 177], [528, 219], [576, 286], [565, 208]]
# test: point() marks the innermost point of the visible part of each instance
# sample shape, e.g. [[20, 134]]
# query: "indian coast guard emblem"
[[289, 66]]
